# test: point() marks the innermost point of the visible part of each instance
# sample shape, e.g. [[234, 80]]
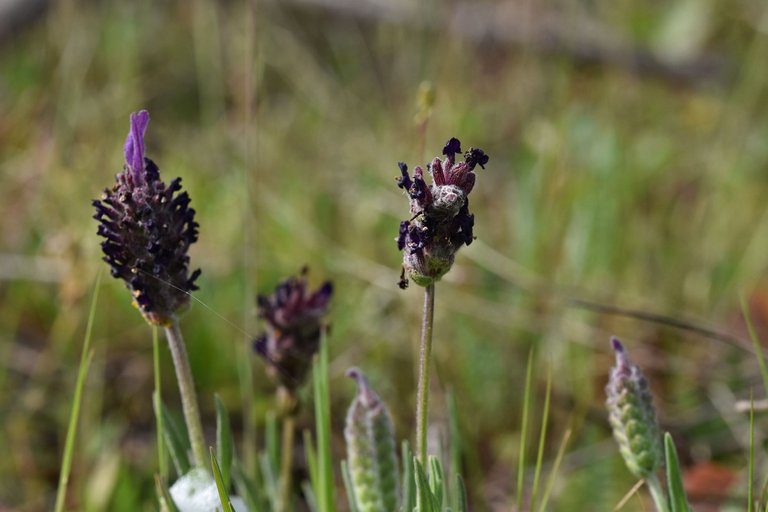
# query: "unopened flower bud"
[[294, 319], [440, 222], [371, 452], [632, 416], [148, 228]]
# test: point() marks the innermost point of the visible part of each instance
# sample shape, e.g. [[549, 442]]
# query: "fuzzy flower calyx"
[[371, 450], [632, 416], [294, 318], [440, 222], [147, 228]]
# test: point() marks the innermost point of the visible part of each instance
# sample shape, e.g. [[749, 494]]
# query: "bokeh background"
[[628, 178]]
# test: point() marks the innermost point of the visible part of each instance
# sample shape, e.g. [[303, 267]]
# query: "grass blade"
[[85, 361], [751, 492], [166, 502], [309, 496], [224, 447], [270, 481], [462, 504], [176, 441], [324, 491], [524, 431], [273, 443], [553, 472], [247, 488], [311, 455], [755, 343], [217, 477], [455, 446], [542, 440]]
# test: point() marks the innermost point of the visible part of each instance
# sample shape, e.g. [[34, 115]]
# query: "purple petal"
[[134, 143]]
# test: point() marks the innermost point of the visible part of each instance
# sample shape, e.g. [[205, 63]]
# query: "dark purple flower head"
[[147, 229], [440, 221], [294, 318]]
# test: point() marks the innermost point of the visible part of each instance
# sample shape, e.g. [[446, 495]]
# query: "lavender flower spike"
[[147, 229], [134, 143], [632, 416]]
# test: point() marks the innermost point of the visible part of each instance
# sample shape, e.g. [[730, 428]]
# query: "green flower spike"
[[632, 416], [371, 450]]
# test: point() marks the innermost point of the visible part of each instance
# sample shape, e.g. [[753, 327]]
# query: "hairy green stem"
[[187, 392], [422, 399], [286, 462], [657, 493]]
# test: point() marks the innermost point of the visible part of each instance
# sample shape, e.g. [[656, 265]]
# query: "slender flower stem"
[[286, 462], [657, 493], [425, 349], [187, 391]]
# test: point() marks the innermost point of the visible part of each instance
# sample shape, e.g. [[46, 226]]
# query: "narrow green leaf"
[[348, 486], [176, 441], [273, 442], [86, 355], [436, 481], [542, 441], [309, 495], [524, 431], [755, 343], [324, 491], [424, 499], [409, 480], [217, 477], [462, 504], [224, 448], [455, 443], [677, 499], [156, 399], [270, 481], [166, 502], [751, 490], [553, 472], [247, 488], [311, 455]]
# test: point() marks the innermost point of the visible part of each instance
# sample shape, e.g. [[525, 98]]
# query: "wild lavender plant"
[[147, 229], [371, 450], [439, 225], [633, 420], [294, 321]]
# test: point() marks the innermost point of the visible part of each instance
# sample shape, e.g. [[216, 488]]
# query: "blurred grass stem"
[[85, 361], [425, 350], [187, 392], [286, 461]]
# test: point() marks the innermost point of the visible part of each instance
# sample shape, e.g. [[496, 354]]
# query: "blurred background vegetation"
[[629, 159]]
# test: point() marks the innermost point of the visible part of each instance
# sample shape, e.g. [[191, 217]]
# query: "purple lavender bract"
[[148, 228], [440, 222], [294, 322]]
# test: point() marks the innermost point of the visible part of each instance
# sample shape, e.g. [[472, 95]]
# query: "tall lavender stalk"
[[294, 321], [147, 229], [440, 224]]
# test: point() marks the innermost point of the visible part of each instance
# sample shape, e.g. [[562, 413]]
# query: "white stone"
[[196, 492]]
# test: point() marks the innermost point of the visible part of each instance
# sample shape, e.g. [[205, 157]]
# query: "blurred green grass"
[[286, 123]]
